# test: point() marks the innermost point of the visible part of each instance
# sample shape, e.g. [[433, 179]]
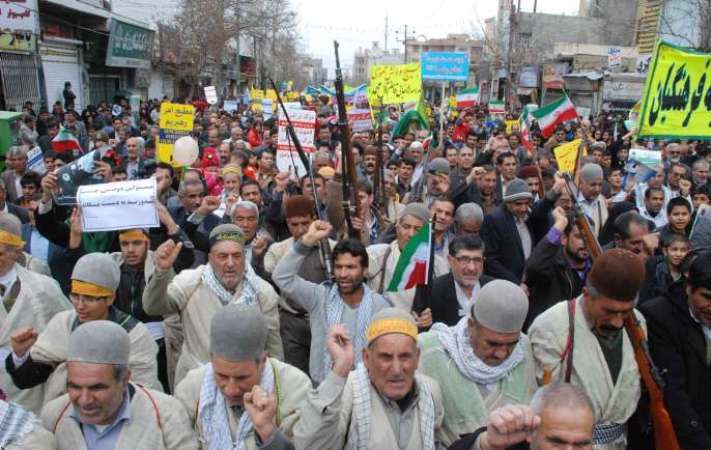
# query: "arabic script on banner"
[[176, 121], [398, 83]]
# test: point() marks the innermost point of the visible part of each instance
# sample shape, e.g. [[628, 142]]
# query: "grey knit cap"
[[238, 333], [517, 190], [501, 307], [99, 269], [438, 166], [99, 342]]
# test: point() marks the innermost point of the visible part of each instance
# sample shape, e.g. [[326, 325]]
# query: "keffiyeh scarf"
[[213, 415], [334, 315], [248, 293], [456, 343], [361, 412]]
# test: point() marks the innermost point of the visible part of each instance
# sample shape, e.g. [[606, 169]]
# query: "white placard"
[[304, 122], [118, 206], [35, 161], [650, 158], [360, 120], [230, 106], [211, 94], [290, 162]]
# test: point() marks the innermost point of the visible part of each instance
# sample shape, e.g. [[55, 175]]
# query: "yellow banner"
[[565, 155], [175, 122], [398, 83], [510, 124], [256, 94], [271, 95], [677, 96]]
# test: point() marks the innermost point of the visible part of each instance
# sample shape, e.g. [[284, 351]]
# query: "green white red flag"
[[413, 266], [553, 114], [524, 125], [65, 141], [468, 98]]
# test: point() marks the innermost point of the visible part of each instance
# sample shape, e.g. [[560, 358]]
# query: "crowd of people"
[[259, 314]]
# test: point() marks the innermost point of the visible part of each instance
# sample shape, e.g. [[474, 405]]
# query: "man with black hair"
[[680, 343], [654, 207], [347, 300]]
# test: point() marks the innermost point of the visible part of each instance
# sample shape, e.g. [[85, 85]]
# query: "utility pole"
[[509, 56]]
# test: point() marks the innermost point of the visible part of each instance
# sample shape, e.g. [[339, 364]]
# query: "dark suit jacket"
[[443, 304], [678, 348], [504, 251], [20, 212], [8, 177]]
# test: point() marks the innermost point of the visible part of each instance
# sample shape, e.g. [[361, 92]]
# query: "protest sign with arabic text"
[[176, 121], [396, 83]]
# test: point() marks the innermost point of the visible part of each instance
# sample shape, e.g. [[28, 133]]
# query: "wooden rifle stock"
[[349, 175], [664, 434]]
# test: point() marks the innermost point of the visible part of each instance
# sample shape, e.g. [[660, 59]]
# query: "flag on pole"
[[65, 141], [553, 114], [468, 97], [417, 115], [413, 266], [497, 106], [524, 126]]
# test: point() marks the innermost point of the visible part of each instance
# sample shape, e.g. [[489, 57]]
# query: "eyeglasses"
[[466, 260], [86, 299]]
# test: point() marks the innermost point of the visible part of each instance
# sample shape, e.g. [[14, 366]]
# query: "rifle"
[[324, 246], [350, 193], [664, 434], [379, 195]]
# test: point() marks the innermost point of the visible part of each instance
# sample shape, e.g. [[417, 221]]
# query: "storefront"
[[62, 63], [128, 54], [621, 91], [19, 66]]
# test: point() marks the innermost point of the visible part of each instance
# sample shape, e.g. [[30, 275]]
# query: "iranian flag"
[[524, 123], [553, 114], [413, 266], [65, 141], [497, 107], [468, 97]]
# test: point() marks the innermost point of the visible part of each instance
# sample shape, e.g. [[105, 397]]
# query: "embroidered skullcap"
[[99, 342], [238, 333], [298, 206], [389, 321], [10, 230], [591, 172], [417, 210], [501, 307], [617, 274], [226, 232], [96, 274]]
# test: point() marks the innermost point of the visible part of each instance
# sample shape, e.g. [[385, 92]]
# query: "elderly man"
[[347, 300], [560, 416], [508, 234], [583, 342], [468, 219], [102, 409], [28, 300], [39, 358], [456, 291], [383, 403], [198, 294], [135, 149], [16, 162], [483, 362], [236, 398], [293, 319], [590, 196], [437, 183], [384, 257]]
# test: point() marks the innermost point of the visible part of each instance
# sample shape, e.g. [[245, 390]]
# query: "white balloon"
[[185, 151]]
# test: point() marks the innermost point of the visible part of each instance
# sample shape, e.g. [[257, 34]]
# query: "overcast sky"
[[360, 22]]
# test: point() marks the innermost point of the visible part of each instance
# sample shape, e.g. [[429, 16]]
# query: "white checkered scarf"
[[213, 417], [248, 294], [456, 343], [361, 412], [334, 315], [15, 423]]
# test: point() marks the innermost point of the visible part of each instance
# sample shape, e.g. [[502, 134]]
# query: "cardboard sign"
[[230, 106], [566, 155], [360, 120], [397, 83], [304, 122], [119, 206], [650, 158], [176, 121], [211, 94]]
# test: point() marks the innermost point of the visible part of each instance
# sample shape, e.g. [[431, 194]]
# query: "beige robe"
[[40, 298], [158, 422], [467, 409], [186, 295], [611, 403], [326, 418], [35, 265], [51, 348], [291, 386], [376, 256]]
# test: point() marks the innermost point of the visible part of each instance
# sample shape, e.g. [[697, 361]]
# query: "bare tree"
[[688, 22]]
